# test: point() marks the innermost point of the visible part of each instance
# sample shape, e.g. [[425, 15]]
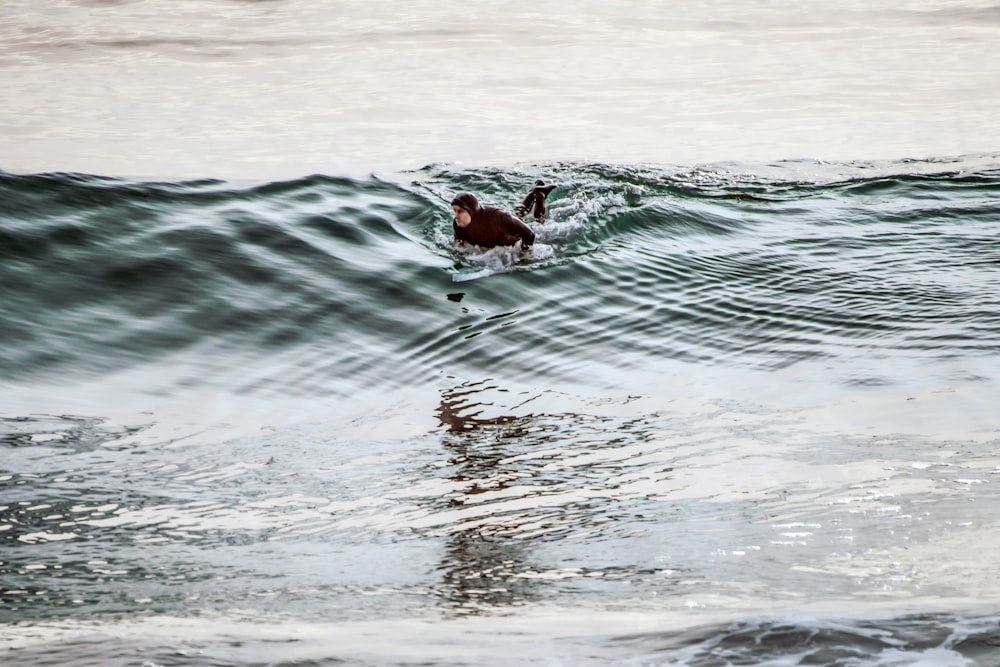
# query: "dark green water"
[[730, 415], [634, 268]]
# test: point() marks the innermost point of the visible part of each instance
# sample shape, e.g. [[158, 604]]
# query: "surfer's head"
[[464, 205]]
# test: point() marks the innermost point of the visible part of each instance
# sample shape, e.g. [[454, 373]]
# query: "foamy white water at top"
[[279, 89]]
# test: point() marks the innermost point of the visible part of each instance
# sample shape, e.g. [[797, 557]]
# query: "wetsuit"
[[490, 226]]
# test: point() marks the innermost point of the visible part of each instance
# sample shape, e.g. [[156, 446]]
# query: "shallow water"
[[736, 406]]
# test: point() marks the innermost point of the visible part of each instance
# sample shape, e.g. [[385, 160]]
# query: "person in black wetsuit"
[[487, 226]]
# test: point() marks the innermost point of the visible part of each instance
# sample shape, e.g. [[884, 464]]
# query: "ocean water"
[[737, 406]]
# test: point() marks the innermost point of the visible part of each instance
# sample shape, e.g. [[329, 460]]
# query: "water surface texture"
[[710, 416], [737, 406]]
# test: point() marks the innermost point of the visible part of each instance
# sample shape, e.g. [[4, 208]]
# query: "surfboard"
[[469, 273]]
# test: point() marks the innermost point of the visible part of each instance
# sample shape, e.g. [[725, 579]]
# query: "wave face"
[[324, 285]]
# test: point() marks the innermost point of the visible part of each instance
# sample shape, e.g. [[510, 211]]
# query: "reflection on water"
[[482, 573], [505, 502], [527, 477], [484, 566], [509, 498], [460, 412]]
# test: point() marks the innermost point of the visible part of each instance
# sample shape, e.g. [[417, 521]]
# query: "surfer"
[[487, 226], [535, 200]]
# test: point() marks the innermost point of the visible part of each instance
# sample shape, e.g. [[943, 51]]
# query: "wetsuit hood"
[[466, 200]]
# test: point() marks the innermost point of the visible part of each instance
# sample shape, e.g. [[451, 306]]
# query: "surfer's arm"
[[524, 232]]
